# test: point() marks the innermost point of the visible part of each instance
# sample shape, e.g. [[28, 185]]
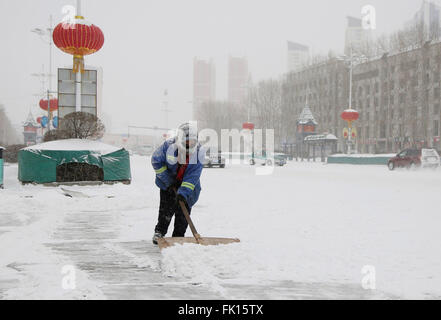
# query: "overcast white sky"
[[150, 45]]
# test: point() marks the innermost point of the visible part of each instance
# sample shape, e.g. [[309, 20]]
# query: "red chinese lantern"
[[78, 39], [350, 116], [53, 102], [248, 126]]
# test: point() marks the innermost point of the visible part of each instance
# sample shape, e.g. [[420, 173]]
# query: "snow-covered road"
[[307, 231]]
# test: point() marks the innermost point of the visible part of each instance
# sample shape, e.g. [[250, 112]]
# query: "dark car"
[[411, 158]]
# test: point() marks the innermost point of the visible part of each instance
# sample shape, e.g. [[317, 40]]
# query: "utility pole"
[[48, 33], [165, 109]]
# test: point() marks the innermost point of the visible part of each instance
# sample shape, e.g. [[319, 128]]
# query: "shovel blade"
[[169, 242]]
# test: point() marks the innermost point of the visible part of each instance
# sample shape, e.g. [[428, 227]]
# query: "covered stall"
[[73, 160], [323, 145]]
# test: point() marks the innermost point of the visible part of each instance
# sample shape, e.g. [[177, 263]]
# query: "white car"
[[430, 158]]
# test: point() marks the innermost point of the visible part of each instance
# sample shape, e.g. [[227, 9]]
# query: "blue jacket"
[[165, 164]]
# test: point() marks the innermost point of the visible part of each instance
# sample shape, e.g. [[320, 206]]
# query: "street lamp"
[[350, 115]]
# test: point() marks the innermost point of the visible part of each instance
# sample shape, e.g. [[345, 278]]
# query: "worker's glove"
[[180, 198], [173, 188]]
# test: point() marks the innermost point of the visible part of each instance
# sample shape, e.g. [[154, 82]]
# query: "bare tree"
[[81, 125], [266, 105], [218, 115]]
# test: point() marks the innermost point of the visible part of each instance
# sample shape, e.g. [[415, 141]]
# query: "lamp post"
[[42, 33], [78, 38], [351, 115], [78, 74]]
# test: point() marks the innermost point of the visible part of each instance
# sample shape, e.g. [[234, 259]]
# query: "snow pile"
[[310, 223], [367, 155], [75, 145]]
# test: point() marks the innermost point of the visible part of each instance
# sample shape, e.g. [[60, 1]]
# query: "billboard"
[[66, 92]]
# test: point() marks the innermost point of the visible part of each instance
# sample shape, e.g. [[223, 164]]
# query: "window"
[[427, 79], [415, 81], [383, 131], [402, 97], [414, 95], [403, 154], [436, 109], [435, 127], [403, 83], [436, 93]]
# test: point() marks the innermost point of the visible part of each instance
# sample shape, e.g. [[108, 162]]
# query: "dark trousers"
[[168, 208]]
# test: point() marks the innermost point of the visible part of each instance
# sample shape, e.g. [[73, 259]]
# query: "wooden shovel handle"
[[196, 235]]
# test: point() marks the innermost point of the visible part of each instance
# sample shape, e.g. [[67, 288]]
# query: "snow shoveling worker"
[[178, 166]]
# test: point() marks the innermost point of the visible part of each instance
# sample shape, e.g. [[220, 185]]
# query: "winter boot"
[[156, 237]]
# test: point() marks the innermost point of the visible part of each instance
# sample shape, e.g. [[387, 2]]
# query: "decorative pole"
[[49, 109], [350, 115], [78, 38], [350, 104], [78, 74]]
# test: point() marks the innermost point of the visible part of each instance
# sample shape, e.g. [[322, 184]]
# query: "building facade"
[[429, 16], [357, 37], [297, 57], [204, 82], [238, 80], [324, 87], [398, 97]]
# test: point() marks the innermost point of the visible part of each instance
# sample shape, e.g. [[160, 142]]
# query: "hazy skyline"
[[150, 46]]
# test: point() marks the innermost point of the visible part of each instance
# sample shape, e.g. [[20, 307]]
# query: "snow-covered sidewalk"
[[307, 231]]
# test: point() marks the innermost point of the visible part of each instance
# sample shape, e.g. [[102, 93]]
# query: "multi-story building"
[[297, 57], [398, 97], [238, 80], [324, 87], [429, 16], [357, 37], [204, 83]]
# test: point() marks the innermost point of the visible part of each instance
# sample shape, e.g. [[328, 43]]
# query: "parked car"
[[145, 150], [278, 158], [215, 160], [412, 158]]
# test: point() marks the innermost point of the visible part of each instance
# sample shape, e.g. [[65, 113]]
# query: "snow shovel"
[[169, 242]]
